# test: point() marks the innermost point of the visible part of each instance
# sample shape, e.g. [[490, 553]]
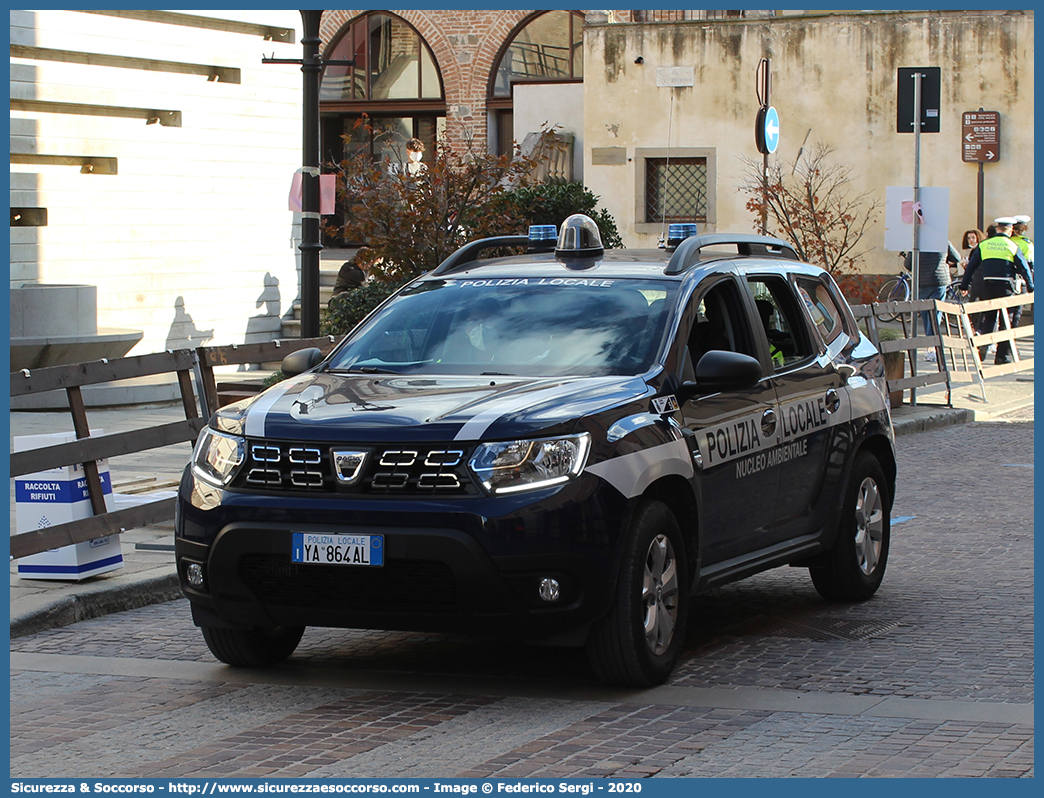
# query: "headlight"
[[217, 456], [515, 466]]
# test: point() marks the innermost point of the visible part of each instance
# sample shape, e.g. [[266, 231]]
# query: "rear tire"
[[854, 567], [638, 641], [893, 290], [252, 648]]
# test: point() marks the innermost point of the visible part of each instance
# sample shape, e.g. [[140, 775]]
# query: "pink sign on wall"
[[327, 193]]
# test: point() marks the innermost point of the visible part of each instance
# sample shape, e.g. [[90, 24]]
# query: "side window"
[[781, 321], [720, 323], [825, 314]]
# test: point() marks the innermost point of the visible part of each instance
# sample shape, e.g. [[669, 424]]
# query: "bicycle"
[[954, 295], [895, 289], [900, 289]]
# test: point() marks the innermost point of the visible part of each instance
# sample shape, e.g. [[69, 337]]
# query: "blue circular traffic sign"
[[766, 130]]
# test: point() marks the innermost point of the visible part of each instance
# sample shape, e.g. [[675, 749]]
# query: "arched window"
[[392, 63], [395, 87], [546, 48], [549, 47]]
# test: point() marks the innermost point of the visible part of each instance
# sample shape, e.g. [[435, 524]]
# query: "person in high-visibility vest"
[[1002, 263], [1018, 235], [766, 309]]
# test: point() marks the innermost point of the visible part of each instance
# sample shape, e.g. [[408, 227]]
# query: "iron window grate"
[[675, 190]]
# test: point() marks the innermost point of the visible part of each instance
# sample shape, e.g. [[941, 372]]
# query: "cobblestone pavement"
[[933, 677]]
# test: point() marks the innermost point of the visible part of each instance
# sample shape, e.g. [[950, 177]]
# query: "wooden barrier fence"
[[186, 364], [955, 342]]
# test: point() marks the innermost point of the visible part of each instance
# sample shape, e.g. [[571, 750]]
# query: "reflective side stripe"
[[632, 473], [257, 415], [867, 397], [809, 414], [743, 436], [738, 437]]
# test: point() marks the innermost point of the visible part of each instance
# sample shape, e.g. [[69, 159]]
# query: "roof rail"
[[469, 252], [687, 254]]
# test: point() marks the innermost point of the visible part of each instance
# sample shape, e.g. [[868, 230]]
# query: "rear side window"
[[824, 312]]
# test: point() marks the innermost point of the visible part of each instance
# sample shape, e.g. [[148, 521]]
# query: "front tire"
[[252, 648], [638, 641], [854, 567]]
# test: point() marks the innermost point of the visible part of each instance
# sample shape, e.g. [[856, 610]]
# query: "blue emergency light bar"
[[542, 237], [676, 233]]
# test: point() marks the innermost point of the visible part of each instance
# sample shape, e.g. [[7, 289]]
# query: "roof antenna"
[[801, 150]]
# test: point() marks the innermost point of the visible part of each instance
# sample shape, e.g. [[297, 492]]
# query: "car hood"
[[364, 408]]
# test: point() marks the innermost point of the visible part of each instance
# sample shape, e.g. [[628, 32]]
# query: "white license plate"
[[310, 547]]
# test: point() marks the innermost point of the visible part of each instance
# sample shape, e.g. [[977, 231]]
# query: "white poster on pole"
[[933, 219]]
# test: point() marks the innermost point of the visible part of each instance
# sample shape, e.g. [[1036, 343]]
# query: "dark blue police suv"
[[564, 446]]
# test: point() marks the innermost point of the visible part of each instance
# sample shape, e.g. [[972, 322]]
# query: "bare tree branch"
[[814, 208]]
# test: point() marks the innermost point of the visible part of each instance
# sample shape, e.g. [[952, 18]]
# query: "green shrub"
[[272, 379], [552, 203], [346, 310]]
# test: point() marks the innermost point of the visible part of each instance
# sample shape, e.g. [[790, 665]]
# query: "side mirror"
[[301, 361], [723, 371]]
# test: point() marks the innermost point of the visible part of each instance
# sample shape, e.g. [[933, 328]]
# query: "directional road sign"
[[980, 136], [766, 130]]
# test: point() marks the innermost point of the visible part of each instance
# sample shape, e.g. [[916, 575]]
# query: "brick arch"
[[448, 65], [507, 25], [464, 44], [334, 22]]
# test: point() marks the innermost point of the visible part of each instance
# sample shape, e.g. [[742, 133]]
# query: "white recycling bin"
[[57, 496]]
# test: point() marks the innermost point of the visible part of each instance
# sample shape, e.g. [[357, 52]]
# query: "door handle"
[[768, 423]]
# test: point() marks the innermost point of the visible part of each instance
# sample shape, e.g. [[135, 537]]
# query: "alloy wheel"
[[869, 526], [660, 594]]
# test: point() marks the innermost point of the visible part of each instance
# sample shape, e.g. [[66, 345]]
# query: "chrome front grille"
[[281, 465], [403, 471], [421, 470]]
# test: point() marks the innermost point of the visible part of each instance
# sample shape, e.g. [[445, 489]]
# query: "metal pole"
[[764, 194], [311, 242], [915, 269], [763, 87], [981, 191], [980, 197]]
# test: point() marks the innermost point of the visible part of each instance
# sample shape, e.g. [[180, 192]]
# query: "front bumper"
[[470, 564]]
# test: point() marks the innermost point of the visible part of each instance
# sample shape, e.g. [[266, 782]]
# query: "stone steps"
[[329, 264]]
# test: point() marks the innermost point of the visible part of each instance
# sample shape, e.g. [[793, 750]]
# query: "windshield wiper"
[[363, 370]]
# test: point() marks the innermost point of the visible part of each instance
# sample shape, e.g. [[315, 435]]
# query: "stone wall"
[[834, 76]]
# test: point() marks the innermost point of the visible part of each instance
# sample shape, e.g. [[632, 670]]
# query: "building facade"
[[152, 152], [448, 76], [685, 90], [152, 155]]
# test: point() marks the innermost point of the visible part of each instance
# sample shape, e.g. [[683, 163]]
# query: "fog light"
[[549, 589], [194, 575]]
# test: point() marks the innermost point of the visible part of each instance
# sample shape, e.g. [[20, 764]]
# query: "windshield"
[[523, 326]]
